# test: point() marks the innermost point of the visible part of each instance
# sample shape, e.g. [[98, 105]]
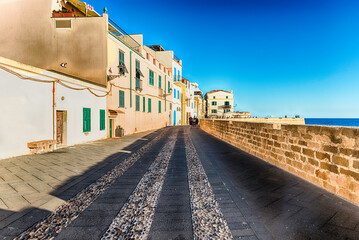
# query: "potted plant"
[[119, 131], [62, 13]]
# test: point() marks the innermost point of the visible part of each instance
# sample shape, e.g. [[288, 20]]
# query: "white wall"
[[74, 102], [25, 113]]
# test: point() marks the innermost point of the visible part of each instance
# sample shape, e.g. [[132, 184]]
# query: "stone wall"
[[323, 155], [298, 121]]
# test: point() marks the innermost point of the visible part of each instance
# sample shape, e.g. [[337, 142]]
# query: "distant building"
[[219, 103], [241, 115]]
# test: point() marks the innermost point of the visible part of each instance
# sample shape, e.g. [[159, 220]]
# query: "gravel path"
[[135, 218], [69, 211], [207, 219]]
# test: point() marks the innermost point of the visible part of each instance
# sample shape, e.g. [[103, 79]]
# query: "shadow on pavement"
[[14, 223]]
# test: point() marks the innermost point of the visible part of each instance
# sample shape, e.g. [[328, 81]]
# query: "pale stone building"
[[219, 103]]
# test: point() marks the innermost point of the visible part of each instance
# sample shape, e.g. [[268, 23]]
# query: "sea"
[[348, 122]]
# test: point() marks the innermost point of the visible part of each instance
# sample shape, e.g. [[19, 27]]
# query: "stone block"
[[331, 149], [303, 143], [346, 151], [329, 167], [322, 156], [296, 148], [313, 162], [340, 161], [356, 164], [350, 173], [308, 152]]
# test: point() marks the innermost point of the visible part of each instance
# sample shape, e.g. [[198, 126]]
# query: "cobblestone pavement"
[[173, 183]]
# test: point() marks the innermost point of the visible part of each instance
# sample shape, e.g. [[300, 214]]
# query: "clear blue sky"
[[280, 58]]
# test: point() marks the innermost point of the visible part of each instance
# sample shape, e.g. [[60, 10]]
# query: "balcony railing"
[[227, 106], [123, 35]]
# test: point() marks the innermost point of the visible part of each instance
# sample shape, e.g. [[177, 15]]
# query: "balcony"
[[226, 106], [138, 84]]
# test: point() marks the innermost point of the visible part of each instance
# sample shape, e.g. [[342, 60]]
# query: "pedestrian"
[[190, 121], [196, 122]]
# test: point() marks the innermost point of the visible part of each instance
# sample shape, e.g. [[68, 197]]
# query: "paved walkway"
[[174, 183]]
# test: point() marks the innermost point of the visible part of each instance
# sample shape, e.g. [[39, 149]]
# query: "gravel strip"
[[207, 219], [69, 211], [135, 218]]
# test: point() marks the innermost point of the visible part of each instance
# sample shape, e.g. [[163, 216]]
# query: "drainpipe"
[[53, 111], [131, 79]]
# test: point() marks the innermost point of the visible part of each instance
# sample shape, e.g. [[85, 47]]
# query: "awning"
[[114, 112]]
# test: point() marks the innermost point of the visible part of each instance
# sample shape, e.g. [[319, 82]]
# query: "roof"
[[218, 90], [157, 48], [82, 8]]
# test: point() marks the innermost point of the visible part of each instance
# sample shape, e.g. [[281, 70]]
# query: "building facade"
[[219, 103]]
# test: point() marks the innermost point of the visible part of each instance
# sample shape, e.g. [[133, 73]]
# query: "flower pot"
[[56, 14], [68, 14], [119, 132]]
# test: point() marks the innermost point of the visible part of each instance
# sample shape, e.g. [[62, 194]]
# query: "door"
[[111, 121], [174, 118], [59, 127]]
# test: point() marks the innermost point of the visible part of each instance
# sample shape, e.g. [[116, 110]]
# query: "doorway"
[[110, 128], [61, 127]]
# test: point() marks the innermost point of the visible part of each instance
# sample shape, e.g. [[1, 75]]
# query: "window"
[[102, 119], [63, 23], [192, 105], [138, 75], [137, 103], [178, 76], [169, 87], [226, 103], [144, 104], [214, 111], [214, 97], [121, 99], [226, 97], [227, 110], [174, 93], [175, 74], [149, 105], [121, 63], [159, 81], [152, 82], [178, 94], [214, 103], [86, 119], [159, 106]]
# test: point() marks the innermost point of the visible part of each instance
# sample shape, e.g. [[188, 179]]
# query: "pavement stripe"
[[207, 219], [135, 217], [69, 211]]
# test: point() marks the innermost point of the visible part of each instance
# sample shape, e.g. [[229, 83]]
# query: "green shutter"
[[159, 106], [137, 65], [121, 58], [169, 86], [159, 82], [144, 104], [86, 119], [121, 99], [102, 119], [137, 103], [149, 105], [151, 78]]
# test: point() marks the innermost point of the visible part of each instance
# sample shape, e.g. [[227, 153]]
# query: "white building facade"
[[38, 105], [219, 103]]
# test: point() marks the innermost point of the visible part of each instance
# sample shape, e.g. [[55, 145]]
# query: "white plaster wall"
[[74, 102], [25, 114]]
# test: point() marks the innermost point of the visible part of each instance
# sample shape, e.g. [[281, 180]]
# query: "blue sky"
[[279, 57]]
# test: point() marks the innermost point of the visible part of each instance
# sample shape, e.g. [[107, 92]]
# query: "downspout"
[[53, 111], [131, 79]]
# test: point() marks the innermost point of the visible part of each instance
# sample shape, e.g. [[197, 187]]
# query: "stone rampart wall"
[[323, 155]]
